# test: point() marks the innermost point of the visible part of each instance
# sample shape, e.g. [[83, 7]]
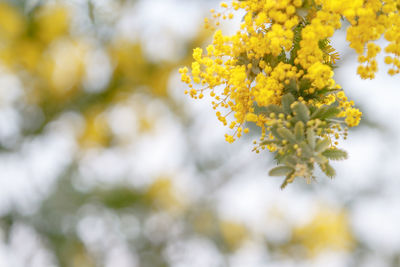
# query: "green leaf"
[[329, 112], [335, 154], [282, 56], [301, 112], [325, 112], [322, 144], [280, 171], [323, 43], [287, 100], [328, 170], [286, 134], [291, 87], [296, 42], [280, 159], [299, 131], [242, 59], [318, 112], [304, 84], [311, 138]]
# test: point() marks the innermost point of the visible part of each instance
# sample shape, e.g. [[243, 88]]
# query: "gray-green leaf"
[[335, 154], [322, 144], [286, 134], [281, 171], [299, 131], [301, 112], [311, 138], [306, 150], [287, 100], [328, 170]]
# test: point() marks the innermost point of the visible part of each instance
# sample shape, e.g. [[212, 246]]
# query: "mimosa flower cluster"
[[277, 72]]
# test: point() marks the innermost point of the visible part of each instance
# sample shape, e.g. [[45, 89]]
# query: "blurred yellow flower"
[[52, 22], [328, 230], [163, 195], [12, 23], [96, 132], [233, 234], [29, 52], [128, 60], [67, 65]]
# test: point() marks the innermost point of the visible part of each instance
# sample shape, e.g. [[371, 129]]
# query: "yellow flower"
[[353, 116]]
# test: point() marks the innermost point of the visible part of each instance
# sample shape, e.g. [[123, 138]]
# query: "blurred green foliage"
[[79, 225]]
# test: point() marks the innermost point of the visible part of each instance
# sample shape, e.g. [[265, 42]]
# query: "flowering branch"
[[277, 73]]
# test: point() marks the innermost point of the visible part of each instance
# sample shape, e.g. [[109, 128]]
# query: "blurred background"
[[105, 162]]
